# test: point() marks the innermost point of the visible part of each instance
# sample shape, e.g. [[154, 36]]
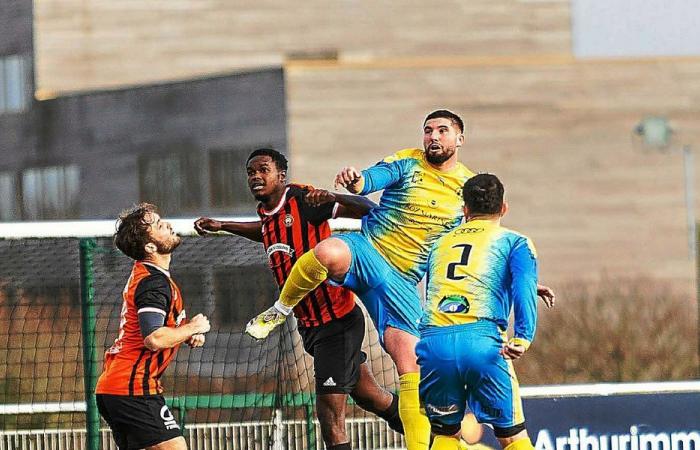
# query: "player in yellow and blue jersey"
[[478, 274]]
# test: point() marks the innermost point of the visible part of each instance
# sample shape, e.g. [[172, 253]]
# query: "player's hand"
[[200, 324], [318, 197], [348, 177], [205, 225], [196, 340], [546, 294], [512, 351], [261, 325]]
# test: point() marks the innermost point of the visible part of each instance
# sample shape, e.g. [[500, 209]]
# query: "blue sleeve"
[[523, 289], [381, 176]]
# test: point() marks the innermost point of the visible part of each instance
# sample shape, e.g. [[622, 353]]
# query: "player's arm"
[[249, 230], [152, 298], [372, 179], [350, 206], [523, 290]]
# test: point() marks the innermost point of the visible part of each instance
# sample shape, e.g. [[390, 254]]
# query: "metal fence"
[[364, 433]]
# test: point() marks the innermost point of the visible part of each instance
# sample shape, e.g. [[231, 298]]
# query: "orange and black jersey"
[[291, 229], [129, 367]]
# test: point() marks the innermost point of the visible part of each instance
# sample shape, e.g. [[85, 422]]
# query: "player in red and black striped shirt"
[[152, 327], [293, 219]]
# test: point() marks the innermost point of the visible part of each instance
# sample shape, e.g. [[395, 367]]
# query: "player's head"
[[267, 173], [443, 134], [483, 196], [141, 233]]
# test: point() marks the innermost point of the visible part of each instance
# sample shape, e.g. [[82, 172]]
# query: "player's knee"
[[334, 254], [444, 429]]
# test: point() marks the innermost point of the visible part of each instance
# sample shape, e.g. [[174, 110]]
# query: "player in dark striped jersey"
[[331, 324], [152, 326]]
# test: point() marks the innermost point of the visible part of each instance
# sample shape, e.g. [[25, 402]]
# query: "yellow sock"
[[520, 444], [445, 443], [305, 276], [415, 423]]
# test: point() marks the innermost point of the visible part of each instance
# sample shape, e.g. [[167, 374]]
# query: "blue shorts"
[[390, 298], [462, 365]]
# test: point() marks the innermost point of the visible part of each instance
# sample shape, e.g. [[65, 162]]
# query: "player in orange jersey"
[[152, 326]]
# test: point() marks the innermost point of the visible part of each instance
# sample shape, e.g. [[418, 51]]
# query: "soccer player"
[[331, 325], [384, 262], [152, 326], [477, 274]]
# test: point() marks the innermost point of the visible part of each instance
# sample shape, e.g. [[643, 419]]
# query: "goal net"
[[60, 300]]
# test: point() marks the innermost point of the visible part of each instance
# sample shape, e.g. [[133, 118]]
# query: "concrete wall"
[[559, 135], [95, 43]]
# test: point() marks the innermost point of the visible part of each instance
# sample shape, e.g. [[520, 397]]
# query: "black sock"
[[345, 446], [391, 415]]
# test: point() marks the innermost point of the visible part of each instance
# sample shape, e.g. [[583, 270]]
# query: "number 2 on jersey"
[[466, 249]]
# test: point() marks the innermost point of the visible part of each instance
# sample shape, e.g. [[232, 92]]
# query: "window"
[[242, 293], [172, 181], [8, 197], [228, 182], [13, 84], [51, 193]]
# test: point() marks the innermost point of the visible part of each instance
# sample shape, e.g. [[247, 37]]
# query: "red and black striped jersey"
[[129, 367], [291, 229]]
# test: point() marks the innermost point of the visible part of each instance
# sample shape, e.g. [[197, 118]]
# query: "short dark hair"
[[133, 231], [483, 194], [278, 158], [445, 114]]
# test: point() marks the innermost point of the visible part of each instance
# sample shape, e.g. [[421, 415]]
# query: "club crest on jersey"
[[451, 304], [288, 220], [279, 247], [180, 317]]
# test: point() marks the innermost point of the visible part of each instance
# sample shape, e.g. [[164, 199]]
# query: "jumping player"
[[384, 262], [152, 326], [477, 274], [331, 325]]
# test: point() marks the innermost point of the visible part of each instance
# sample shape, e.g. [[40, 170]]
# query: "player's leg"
[[105, 407], [337, 351], [177, 443], [518, 441], [143, 422], [441, 389], [330, 258], [331, 415], [495, 394], [402, 310], [373, 398]]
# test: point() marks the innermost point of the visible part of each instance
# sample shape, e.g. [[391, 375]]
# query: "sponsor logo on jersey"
[[469, 230], [329, 382], [279, 247], [451, 304]]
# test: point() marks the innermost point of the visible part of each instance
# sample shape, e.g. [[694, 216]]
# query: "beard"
[[168, 246], [439, 158]]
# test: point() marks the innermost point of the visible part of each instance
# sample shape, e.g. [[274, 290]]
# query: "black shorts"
[[337, 351], [138, 421]]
